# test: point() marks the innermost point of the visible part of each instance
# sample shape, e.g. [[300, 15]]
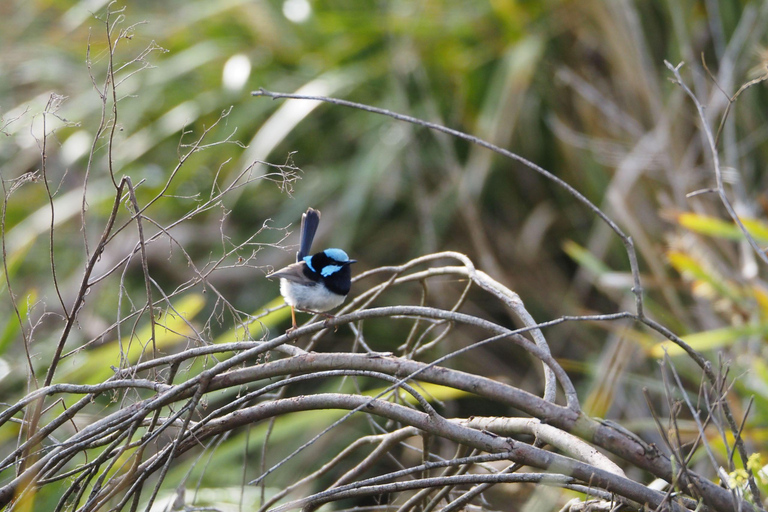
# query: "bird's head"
[[328, 262]]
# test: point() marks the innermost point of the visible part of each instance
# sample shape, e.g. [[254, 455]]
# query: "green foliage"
[[577, 87]]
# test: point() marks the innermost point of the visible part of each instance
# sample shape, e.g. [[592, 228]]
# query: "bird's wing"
[[293, 272], [309, 222]]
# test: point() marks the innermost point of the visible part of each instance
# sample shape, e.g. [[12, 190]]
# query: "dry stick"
[[84, 285], [464, 499], [118, 484], [24, 336], [202, 386], [109, 451], [256, 350], [388, 442], [43, 169], [420, 347], [731, 99], [490, 285], [677, 455], [150, 466], [480, 386], [521, 452], [144, 265], [399, 383], [719, 392], [151, 433], [566, 442], [91, 389], [626, 240], [542, 354], [694, 446], [715, 161], [76, 487], [53, 464], [420, 311], [91, 153], [126, 434], [513, 302], [160, 401], [752, 242], [71, 317], [126, 415], [46, 430], [419, 500], [292, 379], [706, 366], [314, 375], [695, 415], [230, 376], [544, 434], [445, 492], [441, 482], [747, 410], [113, 89]]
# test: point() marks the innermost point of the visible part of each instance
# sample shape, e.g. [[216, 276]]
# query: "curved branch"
[[519, 452], [629, 245]]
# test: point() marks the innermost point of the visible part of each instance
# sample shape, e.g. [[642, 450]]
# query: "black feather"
[[340, 282], [309, 222]]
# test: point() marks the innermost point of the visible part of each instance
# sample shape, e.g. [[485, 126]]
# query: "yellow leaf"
[[585, 258], [714, 227], [709, 340], [691, 269], [431, 392], [761, 297]]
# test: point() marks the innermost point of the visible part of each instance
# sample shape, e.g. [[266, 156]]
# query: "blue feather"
[[337, 255], [308, 261], [330, 269], [315, 283], [309, 223]]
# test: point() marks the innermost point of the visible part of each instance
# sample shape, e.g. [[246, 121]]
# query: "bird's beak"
[[352, 261]]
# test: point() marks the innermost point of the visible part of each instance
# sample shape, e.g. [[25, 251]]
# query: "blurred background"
[[579, 88]]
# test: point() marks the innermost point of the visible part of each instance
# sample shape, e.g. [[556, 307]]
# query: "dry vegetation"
[[560, 219]]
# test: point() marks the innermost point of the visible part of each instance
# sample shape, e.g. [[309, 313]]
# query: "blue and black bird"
[[314, 283]]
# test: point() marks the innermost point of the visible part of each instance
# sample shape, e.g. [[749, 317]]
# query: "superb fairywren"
[[314, 283]]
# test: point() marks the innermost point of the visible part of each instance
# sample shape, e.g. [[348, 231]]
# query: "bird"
[[316, 283]]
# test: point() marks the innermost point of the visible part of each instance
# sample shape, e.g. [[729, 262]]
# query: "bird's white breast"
[[314, 297]]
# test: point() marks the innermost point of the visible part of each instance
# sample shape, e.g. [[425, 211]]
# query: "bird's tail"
[[309, 222]]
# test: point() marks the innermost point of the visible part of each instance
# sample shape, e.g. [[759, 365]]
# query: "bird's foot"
[[328, 318]]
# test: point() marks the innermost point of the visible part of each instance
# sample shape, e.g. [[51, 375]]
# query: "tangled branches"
[[141, 438], [180, 388]]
